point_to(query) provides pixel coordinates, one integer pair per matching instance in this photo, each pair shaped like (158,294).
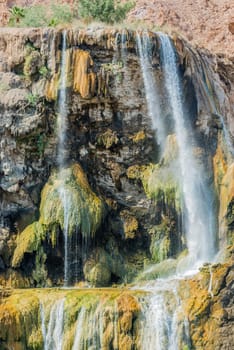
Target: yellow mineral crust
(84,80)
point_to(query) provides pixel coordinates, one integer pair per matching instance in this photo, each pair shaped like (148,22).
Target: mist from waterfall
(198,201)
(151,90)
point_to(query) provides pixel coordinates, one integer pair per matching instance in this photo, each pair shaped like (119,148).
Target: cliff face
(124,211)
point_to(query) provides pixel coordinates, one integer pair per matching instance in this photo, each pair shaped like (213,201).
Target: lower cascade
(116,223)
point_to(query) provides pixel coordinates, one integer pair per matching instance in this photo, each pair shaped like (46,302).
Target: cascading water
(92,329)
(43,325)
(156,329)
(79,330)
(62,105)
(161,327)
(62,130)
(162,330)
(199,220)
(151,91)
(53,336)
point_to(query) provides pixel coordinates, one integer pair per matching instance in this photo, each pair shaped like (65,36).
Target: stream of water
(151,90)
(199,212)
(161,327)
(53,334)
(62,131)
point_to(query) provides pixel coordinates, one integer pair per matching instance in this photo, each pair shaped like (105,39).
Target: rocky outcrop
(209,308)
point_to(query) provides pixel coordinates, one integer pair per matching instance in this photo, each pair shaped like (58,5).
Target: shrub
(60,13)
(35,16)
(16,15)
(108,11)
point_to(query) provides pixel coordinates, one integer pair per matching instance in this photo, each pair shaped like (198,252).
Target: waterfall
(96,327)
(78,345)
(160,323)
(43,325)
(62,105)
(156,326)
(53,336)
(62,130)
(199,221)
(151,91)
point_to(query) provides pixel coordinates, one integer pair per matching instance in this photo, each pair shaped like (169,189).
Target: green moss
(28,241)
(100,265)
(160,246)
(159,183)
(66,194)
(35,340)
(32,62)
(39,274)
(69,194)
(19,321)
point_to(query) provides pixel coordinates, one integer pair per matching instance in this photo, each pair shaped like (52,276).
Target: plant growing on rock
(17,14)
(44,71)
(108,11)
(32,99)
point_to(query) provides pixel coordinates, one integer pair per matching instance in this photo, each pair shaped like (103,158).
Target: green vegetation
(41,143)
(32,99)
(17,14)
(40,15)
(108,11)
(43,70)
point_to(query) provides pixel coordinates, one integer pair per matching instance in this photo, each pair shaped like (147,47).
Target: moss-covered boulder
(100,268)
